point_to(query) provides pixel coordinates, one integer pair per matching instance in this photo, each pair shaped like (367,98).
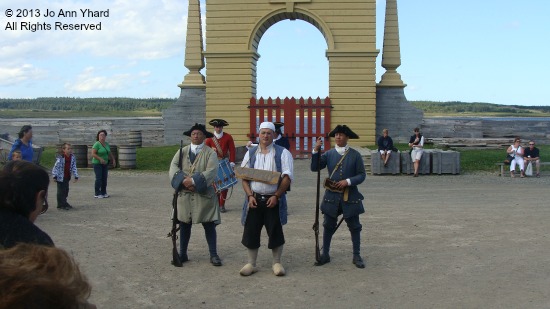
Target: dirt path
(467,241)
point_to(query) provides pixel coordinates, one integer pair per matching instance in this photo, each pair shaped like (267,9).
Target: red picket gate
(304,119)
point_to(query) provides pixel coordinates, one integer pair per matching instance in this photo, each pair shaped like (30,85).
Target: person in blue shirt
(23,144)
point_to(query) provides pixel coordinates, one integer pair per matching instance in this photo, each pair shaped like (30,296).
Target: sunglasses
(531,144)
(45,205)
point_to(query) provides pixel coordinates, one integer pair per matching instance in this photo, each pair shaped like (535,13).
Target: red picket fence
(304,119)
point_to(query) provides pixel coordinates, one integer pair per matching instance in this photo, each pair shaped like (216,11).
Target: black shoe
(323,260)
(222,209)
(63,207)
(67,206)
(358,261)
(215,260)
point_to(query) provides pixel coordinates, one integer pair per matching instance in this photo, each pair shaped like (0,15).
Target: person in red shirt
(224,146)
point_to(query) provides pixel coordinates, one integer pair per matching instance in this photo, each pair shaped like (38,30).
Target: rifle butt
(176,260)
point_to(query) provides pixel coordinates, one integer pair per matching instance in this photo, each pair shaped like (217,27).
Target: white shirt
(267,162)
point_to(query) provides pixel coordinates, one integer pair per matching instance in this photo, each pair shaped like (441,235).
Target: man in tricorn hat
(224,146)
(196,202)
(265,204)
(346,172)
(279,139)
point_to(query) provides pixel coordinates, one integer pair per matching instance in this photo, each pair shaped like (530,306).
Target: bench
(501,164)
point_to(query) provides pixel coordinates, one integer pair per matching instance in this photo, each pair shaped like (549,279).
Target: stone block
(407,165)
(377,165)
(445,162)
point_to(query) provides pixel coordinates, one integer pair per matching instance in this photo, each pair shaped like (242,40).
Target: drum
(226,177)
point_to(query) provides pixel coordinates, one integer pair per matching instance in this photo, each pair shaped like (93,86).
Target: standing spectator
(34,276)
(23,196)
(516,151)
(385,146)
(16,155)
(416,142)
(346,171)
(531,155)
(224,146)
(65,165)
(197,202)
(23,144)
(266,204)
(102,157)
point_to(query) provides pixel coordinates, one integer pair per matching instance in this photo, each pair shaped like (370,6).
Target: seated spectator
(35,276)
(385,146)
(531,155)
(516,151)
(23,196)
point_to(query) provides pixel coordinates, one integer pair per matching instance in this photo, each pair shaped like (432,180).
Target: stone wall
(526,128)
(49,132)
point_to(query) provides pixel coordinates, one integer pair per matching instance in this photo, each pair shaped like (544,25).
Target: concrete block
(445,162)
(377,165)
(407,165)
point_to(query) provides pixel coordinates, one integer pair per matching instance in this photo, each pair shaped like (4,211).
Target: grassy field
(159,158)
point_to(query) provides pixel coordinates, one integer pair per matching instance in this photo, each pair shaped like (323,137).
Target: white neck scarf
(341,150)
(218,136)
(196,148)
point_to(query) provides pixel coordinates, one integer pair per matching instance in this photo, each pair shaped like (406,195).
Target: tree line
(159,104)
(454,107)
(87,104)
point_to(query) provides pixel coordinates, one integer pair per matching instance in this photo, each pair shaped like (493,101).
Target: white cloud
(147,29)
(16,74)
(90,81)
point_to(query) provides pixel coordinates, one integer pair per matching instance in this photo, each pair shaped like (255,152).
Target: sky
(493,51)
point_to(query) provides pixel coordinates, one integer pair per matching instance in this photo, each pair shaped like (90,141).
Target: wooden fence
(304,119)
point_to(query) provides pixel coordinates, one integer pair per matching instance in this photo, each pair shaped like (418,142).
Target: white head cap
(267,125)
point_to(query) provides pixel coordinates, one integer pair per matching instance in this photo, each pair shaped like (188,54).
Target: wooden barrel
(114,150)
(81,154)
(134,138)
(127,156)
(90,155)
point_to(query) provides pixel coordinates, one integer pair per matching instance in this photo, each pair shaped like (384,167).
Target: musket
(176,260)
(316,224)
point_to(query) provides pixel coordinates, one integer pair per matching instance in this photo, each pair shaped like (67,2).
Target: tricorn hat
(343,129)
(278,126)
(199,127)
(218,123)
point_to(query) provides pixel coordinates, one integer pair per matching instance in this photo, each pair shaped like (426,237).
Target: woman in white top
(516,151)
(416,142)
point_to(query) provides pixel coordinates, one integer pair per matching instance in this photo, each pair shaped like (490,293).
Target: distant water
(501,118)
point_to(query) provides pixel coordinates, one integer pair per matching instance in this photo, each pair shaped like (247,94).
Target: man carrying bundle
(265,203)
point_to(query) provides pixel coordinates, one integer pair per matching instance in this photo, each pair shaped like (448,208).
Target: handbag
(529,169)
(509,159)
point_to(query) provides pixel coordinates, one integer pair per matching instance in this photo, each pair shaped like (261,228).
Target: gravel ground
(439,241)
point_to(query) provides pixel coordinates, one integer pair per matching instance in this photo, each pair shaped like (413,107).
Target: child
(16,155)
(65,165)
